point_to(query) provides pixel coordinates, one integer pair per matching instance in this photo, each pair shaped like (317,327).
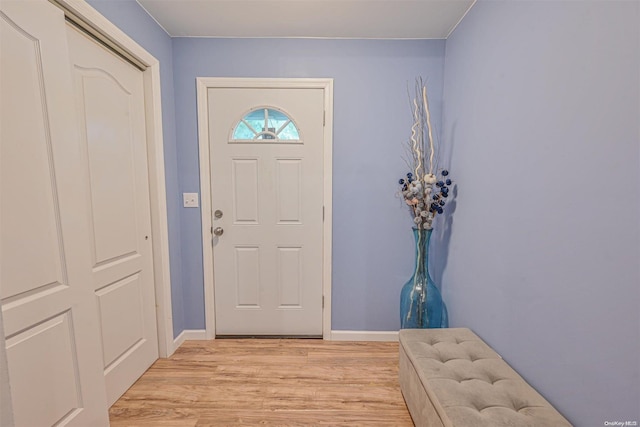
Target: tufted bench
(451,378)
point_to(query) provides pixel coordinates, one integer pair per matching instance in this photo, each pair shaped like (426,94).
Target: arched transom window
(266,124)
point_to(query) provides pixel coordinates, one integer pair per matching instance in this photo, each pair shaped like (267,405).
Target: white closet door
(48,304)
(109,94)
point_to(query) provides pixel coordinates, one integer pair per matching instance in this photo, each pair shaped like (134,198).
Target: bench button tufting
(486,400)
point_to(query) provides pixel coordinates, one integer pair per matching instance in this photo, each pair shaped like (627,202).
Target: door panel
(247,280)
(268,261)
(49,311)
(245,191)
(33,148)
(108,106)
(288,189)
(120,305)
(110,103)
(30,366)
(289,278)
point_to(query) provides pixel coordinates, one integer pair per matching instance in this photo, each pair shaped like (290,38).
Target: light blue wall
(372,240)
(131,18)
(542,109)
(541,254)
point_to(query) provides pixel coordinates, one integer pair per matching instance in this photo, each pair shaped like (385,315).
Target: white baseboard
(364,335)
(189,334)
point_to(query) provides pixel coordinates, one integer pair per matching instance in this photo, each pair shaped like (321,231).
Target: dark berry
(445,172)
(439,184)
(448,182)
(435,196)
(445,194)
(440,210)
(442,202)
(401,181)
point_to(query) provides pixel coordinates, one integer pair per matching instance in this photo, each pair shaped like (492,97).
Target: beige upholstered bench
(451,378)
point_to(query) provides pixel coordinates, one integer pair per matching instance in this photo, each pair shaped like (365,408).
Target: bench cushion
(450,377)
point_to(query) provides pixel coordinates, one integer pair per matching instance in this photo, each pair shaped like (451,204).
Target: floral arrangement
(423,192)
(425,202)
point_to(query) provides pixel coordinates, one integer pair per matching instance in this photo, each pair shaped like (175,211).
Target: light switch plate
(190,200)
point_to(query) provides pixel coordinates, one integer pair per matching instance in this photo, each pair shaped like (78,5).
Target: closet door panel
(109,93)
(48,305)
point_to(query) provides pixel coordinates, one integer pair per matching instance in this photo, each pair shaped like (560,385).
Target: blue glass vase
(421,304)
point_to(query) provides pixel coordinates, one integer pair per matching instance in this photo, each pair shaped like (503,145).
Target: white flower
(417,220)
(424,214)
(430,178)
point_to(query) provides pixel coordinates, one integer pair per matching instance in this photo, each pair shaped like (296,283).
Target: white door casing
(272,263)
(48,304)
(109,94)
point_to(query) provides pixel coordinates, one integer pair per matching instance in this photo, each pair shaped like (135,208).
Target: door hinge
(212,229)
(322,301)
(323,214)
(324,118)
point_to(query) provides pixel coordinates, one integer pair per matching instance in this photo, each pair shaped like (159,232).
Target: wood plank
(284,382)
(307,418)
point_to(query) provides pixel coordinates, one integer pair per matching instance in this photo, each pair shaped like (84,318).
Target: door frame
(203,84)
(82,14)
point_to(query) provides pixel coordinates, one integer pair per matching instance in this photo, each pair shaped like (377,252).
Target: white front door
(266,148)
(110,104)
(48,303)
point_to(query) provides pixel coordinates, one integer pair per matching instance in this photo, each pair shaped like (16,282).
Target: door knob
(217,214)
(218,231)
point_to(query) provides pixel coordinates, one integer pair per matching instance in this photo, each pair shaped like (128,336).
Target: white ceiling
(376,19)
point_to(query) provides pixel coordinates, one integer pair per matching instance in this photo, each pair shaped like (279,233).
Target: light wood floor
(283,382)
